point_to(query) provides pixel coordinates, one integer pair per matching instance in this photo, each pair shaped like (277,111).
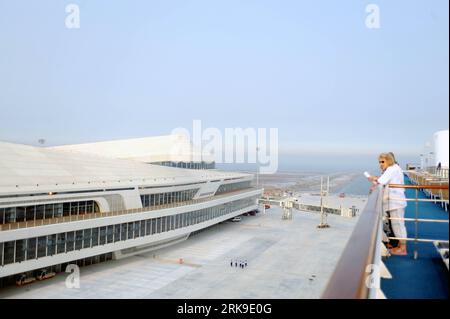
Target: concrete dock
(286,259)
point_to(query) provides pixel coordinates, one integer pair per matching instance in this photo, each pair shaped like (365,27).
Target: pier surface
(285,258)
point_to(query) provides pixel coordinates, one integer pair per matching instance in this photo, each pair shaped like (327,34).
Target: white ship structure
(88,203)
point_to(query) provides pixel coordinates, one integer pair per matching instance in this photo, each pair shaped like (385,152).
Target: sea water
(358,186)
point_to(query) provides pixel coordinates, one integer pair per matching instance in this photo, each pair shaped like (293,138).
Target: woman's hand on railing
(372,178)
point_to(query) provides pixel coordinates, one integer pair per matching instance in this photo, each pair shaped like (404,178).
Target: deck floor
(427,276)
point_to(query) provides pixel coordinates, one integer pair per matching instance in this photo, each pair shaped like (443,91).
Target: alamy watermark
(373,277)
(373,17)
(73,280)
(235,145)
(72,20)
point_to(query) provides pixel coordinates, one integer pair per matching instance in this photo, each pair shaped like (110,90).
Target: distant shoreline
(300,182)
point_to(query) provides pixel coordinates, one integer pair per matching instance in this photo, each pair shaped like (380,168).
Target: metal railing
(416,218)
(73,218)
(357,274)
(439,172)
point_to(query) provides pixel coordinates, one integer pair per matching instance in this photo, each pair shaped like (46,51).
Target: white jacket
(393,175)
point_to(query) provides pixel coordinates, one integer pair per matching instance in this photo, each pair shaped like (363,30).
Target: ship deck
(286,259)
(427,276)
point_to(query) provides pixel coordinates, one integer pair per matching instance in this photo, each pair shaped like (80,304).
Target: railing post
(416,225)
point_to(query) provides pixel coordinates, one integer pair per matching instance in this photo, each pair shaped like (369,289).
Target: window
(95,233)
(143,201)
(159,223)
(152,200)
(172,222)
(89,207)
(20,214)
(66,209)
(9,252)
(31,248)
(110,234)
(1,252)
(163,224)
(70,241)
(48,211)
(51,245)
(2,219)
(58,210)
(123,231)
(39,211)
(21,248)
(188,219)
(87,235)
(102,235)
(130,231)
(78,239)
(82,208)
(10,215)
(148,227)
(116,233)
(142,228)
(74,208)
(136,228)
(154,226)
(42,246)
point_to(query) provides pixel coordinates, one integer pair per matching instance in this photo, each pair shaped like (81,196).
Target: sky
(338,92)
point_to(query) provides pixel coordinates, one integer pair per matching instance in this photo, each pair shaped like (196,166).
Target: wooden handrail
(418,186)
(349,277)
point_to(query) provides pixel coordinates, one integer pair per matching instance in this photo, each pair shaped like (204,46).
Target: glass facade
(47,211)
(233,187)
(167,198)
(190,165)
(32,248)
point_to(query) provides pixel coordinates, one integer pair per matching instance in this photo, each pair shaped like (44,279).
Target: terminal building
(173,150)
(90,203)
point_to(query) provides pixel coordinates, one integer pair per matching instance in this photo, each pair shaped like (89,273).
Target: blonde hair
(393,156)
(388,158)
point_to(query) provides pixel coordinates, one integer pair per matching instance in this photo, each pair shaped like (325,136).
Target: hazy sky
(312,69)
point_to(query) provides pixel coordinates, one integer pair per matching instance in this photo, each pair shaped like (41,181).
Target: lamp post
(323,214)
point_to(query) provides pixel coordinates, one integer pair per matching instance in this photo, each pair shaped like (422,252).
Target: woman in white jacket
(393,174)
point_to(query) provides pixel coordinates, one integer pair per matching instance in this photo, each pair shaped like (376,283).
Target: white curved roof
(175,147)
(28,168)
